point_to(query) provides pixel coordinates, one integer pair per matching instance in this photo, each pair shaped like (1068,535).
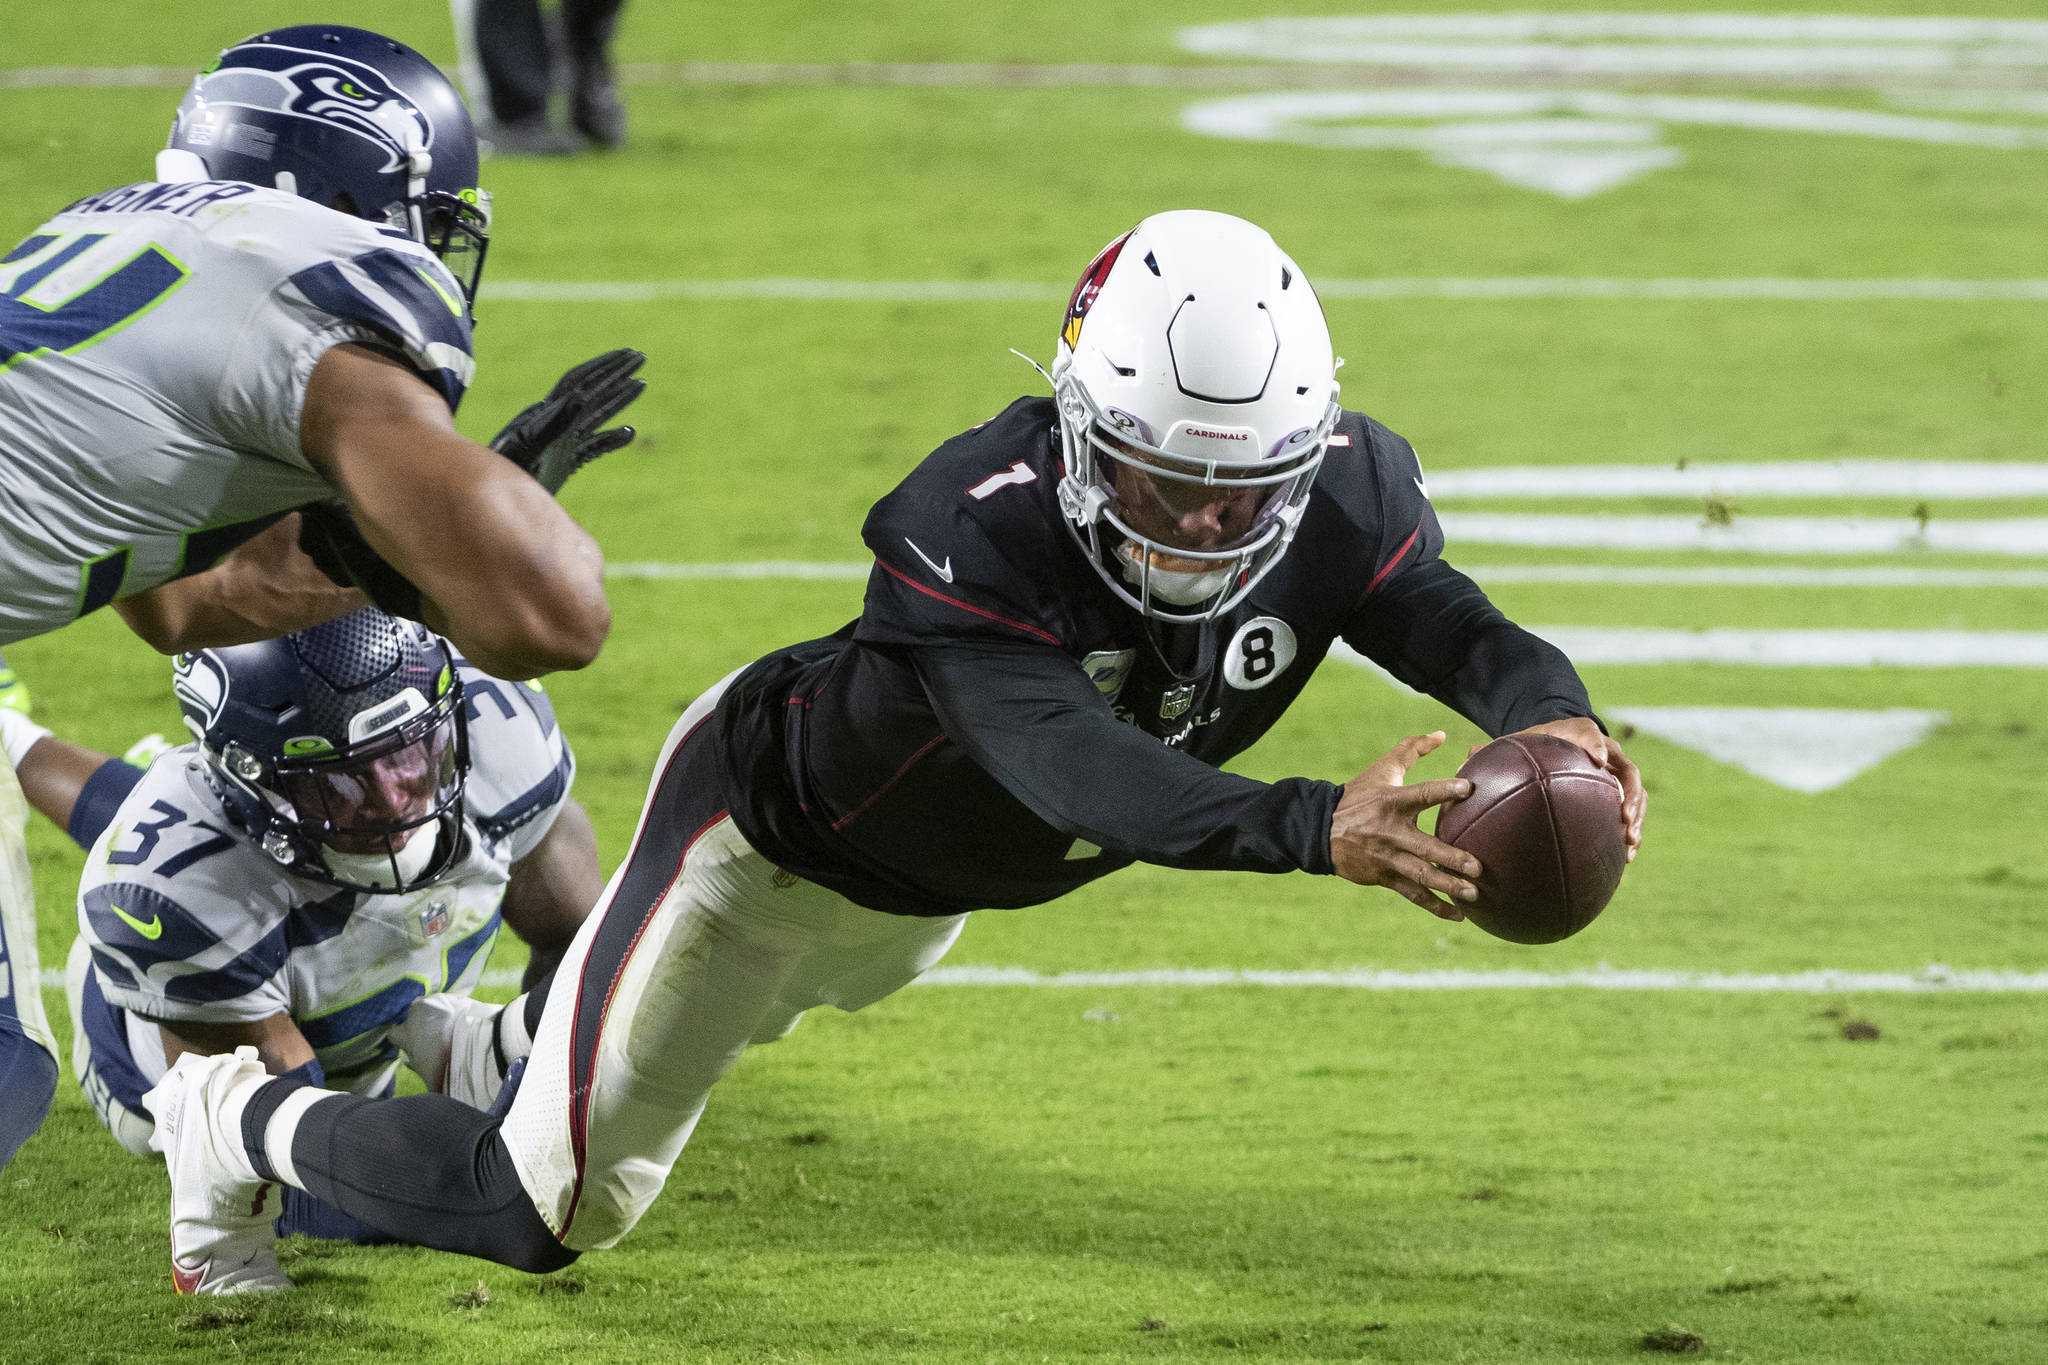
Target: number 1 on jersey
(1016,473)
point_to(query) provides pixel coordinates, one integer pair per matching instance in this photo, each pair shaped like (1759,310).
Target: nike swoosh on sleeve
(152,930)
(944,571)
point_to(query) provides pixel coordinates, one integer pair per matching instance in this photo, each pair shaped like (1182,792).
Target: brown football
(1544,821)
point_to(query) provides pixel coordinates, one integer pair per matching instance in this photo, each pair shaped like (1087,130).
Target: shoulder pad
(521,767)
(408,300)
(970,542)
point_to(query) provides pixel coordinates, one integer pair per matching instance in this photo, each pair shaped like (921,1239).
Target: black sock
(427,1169)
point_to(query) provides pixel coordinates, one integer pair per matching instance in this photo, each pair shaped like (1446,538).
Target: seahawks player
(279,320)
(360,814)
(1078,610)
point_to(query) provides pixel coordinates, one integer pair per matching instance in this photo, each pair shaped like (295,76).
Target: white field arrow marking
(1571,143)
(1567,172)
(1804,749)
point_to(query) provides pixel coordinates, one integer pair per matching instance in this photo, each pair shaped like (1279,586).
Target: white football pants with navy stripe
(28,1052)
(699,948)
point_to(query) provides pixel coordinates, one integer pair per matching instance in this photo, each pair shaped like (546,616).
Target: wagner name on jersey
(186,920)
(155,343)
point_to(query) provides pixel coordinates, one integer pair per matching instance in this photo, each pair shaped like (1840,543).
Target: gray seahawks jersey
(155,343)
(188,920)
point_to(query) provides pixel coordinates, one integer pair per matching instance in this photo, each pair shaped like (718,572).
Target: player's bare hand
(1607,753)
(1375,841)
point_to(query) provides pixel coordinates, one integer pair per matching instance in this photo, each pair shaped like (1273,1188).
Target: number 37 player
(1078,610)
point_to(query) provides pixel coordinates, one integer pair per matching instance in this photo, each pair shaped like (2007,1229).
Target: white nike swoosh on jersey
(1422,488)
(944,571)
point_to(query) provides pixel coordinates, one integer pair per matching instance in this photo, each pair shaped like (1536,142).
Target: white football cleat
(223,1238)
(452,1042)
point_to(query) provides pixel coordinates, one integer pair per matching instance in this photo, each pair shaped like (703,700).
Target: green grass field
(1166,1172)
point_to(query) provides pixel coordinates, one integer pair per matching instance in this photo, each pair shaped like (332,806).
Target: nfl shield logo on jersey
(1176,700)
(436,916)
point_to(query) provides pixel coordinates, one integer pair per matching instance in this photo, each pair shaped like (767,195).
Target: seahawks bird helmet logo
(329,90)
(201,687)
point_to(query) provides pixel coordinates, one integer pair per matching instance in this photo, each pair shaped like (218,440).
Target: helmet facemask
(334,790)
(456,228)
(387,815)
(1125,498)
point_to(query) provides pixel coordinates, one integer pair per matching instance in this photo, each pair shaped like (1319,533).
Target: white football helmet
(1196,392)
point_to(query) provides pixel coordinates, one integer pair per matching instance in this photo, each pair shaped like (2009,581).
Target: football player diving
(279,321)
(1078,610)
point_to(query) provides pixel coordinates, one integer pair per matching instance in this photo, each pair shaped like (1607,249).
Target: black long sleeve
(1434,629)
(1035,722)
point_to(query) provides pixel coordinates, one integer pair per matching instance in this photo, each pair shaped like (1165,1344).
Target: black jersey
(997,728)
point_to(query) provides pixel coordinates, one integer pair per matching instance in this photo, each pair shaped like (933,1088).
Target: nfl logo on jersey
(436,916)
(1176,701)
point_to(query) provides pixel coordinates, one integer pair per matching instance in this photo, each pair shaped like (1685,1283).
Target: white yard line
(1761,288)
(1938,479)
(1929,980)
(763,569)
(2016,537)
(1788,47)
(773,287)
(1474,288)
(1619,576)
(1650,645)
(1371,69)
(1626,645)
(1605,575)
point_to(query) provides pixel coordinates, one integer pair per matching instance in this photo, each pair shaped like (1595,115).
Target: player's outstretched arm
(277,1040)
(552,889)
(1375,841)
(1038,725)
(52,774)
(268,587)
(506,574)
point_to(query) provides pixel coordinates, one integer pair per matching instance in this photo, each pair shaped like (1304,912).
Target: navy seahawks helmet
(349,119)
(340,750)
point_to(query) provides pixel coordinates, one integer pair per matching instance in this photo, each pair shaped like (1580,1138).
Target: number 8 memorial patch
(1260,652)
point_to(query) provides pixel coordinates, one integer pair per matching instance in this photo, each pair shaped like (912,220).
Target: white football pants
(699,948)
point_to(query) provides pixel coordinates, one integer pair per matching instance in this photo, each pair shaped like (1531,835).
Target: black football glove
(328,535)
(559,435)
